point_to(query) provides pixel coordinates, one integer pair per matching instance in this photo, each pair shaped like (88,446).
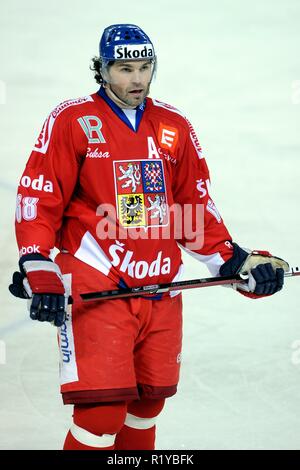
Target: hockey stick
(167,287)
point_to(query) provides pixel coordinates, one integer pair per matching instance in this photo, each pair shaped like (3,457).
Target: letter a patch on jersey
(140,193)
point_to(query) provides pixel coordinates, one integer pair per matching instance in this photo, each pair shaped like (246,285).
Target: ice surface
(233,68)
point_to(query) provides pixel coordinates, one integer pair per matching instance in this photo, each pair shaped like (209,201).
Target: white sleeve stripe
(88,439)
(91,253)
(139,423)
(213,261)
(31,266)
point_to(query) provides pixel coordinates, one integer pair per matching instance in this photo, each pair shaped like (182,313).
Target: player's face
(130,81)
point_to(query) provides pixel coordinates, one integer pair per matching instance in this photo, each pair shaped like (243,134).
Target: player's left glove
(265,272)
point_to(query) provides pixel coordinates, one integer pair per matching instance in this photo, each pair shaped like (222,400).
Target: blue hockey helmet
(125,42)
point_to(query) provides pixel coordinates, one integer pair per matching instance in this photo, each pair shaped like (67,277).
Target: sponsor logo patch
(168,137)
(95,153)
(39,183)
(137,51)
(138,269)
(211,207)
(195,140)
(29,249)
(140,193)
(91,125)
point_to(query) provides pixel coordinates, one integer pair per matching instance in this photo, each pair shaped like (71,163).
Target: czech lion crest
(141,193)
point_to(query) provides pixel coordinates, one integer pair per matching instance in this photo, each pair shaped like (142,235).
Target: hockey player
(100,185)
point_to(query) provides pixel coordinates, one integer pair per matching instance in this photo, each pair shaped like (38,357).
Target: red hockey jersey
(120,199)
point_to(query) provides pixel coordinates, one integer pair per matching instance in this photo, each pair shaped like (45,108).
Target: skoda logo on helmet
(134,51)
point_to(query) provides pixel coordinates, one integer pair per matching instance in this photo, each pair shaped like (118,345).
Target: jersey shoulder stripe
(168,107)
(43,140)
(188,125)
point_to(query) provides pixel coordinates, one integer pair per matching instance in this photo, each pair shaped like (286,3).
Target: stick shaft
(171,286)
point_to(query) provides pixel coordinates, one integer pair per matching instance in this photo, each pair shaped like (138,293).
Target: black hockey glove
(40,280)
(264,272)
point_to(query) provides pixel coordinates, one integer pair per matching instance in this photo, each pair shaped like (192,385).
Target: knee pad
(100,418)
(141,414)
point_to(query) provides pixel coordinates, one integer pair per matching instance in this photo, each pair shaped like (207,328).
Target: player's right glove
(40,280)
(264,273)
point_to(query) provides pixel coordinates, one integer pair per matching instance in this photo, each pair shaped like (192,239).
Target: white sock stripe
(88,439)
(139,423)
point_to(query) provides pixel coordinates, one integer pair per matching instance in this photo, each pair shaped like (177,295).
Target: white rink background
(233,68)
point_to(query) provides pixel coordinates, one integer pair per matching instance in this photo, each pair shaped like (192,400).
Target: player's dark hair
(96,68)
